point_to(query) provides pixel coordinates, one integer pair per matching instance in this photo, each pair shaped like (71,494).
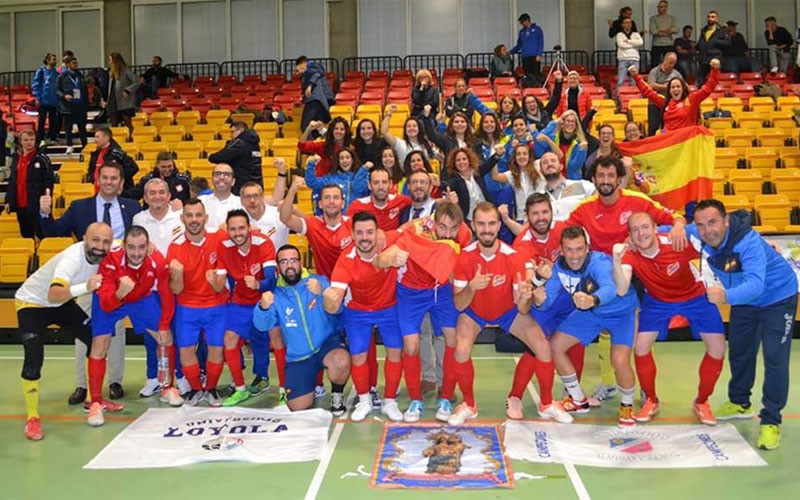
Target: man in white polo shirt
(565,194)
(222,200)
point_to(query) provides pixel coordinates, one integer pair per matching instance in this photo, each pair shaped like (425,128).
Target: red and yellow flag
(678,166)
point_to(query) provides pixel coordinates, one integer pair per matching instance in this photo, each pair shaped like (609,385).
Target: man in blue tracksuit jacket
(311,335)
(530,44)
(761,289)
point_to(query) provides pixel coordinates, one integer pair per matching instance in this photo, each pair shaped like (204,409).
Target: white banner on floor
(641,447)
(174,437)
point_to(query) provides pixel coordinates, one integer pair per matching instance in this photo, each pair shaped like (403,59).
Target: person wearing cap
(735,56)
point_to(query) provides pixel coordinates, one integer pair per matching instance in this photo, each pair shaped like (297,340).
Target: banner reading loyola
(173,437)
(678,166)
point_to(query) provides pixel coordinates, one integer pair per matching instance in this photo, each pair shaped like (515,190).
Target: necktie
(416,212)
(107,213)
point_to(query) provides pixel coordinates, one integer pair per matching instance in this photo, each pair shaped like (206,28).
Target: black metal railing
(330,64)
(438,62)
(367,64)
(196,69)
(255,67)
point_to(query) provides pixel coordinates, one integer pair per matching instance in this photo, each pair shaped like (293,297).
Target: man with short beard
(420,186)
(384,206)
(565,194)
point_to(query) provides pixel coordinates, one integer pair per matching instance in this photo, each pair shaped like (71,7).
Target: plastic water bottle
(164,375)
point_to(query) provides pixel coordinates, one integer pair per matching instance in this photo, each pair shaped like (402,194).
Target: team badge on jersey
(345,242)
(624,216)
(254,269)
(393,213)
(498,280)
(673,268)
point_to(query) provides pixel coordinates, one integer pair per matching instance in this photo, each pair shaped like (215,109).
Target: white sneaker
(604,392)
(375,399)
(463,413)
(556,412)
(362,409)
(773,69)
(151,388)
(391,410)
(96,418)
(70,150)
(183,386)
(444,408)
(171,396)
(414,412)
(319,392)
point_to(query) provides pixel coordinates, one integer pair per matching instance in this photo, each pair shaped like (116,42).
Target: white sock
(573,387)
(626,395)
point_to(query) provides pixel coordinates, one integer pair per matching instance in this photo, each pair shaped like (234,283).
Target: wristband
(282,175)
(538,280)
(81,289)
(596,300)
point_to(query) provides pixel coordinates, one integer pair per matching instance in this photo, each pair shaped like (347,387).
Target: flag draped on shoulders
(436,257)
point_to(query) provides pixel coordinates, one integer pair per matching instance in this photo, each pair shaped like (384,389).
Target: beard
(94,256)
(552,176)
(291,277)
(606,189)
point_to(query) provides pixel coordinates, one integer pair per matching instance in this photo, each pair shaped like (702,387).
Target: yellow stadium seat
(761,104)
(725,158)
(144,134)
(763,229)
(9,227)
(148,151)
(140,120)
(161,119)
(732,104)
(790,157)
(343,110)
(266,129)
(746,182)
(201,167)
(248,118)
(773,209)
(204,132)
(188,150)
(121,134)
(773,137)
(762,159)
(786,181)
(719,182)
(15,259)
(787,102)
(720,123)
(735,202)
(77,189)
(217,116)
(49,247)
(87,150)
(71,176)
(738,138)
(188,119)
(750,120)
(707,105)
(212,147)
(172,133)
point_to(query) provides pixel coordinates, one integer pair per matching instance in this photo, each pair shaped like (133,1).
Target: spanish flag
(678,166)
(437,257)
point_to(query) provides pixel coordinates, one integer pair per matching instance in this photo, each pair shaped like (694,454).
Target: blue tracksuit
(43,86)
(576,156)
(761,287)
(530,41)
(354,185)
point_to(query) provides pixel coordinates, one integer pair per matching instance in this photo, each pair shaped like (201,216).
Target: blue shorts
(239,320)
(549,319)
(301,376)
(586,326)
(504,322)
(413,304)
(189,321)
(703,316)
(359,325)
(144,314)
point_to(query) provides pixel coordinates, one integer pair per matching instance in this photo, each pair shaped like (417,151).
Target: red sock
(192,374)
(576,354)
(97,372)
(234,360)
(448,373)
(465,374)
(646,371)
(392,373)
(372,363)
(319,376)
(171,353)
(412,370)
(710,368)
(360,375)
(522,375)
(213,371)
(545,372)
(280,362)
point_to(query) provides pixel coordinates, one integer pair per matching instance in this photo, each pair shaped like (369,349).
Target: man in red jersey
(129,274)
(249,262)
(492,288)
(197,279)
(671,287)
(420,293)
(384,206)
(370,302)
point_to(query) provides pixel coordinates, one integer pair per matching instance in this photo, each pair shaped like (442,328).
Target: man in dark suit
(420,186)
(118,213)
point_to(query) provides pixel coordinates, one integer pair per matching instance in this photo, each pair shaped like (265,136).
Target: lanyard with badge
(76,90)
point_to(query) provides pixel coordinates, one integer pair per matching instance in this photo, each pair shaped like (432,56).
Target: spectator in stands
(317,93)
(122,87)
(615,25)
(346,172)
(633,132)
(31,175)
(508,109)
(388,161)
(606,147)
(712,40)
(530,45)
(108,150)
(536,113)
(779,45)
(681,108)
(43,89)
(686,48)
(157,77)
(64,64)
(502,64)
(523,177)
(414,138)
(735,57)
(657,79)
(243,153)
(424,94)
(628,44)
(71,92)
(222,200)
(199,187)
(463,100)
(337,136)
(94,101)
(464,178)
(662,27)
(576,99)
(458,133)
(417,162)
(568,137)
(489,142)
(177,182)
(368,143)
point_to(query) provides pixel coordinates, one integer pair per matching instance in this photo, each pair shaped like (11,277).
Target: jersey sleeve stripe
(339,285)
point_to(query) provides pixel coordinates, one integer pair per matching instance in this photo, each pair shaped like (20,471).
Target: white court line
(572,472)
(72,358)
(322,468)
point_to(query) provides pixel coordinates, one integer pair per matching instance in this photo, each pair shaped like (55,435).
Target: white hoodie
(628,48)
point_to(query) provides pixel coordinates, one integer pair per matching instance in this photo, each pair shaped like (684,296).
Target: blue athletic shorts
(301,376)
(504,322)
(144,314)
(703,316)
(359,325)
(239,320)
(586,326)
(549,319)
(412,305)
(189,321)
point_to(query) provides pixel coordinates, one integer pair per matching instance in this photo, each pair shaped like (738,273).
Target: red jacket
(679,114)
(584,103)
(318,148)
(154,268)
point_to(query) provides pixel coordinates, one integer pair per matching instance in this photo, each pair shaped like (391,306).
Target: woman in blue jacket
(43,89)
(344,172)
(72,101)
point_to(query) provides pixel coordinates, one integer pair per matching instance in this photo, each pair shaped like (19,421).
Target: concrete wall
(117,28)
(343,28)
(579,25)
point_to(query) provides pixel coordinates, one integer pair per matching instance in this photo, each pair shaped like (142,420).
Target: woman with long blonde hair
(569,138)
(122,88)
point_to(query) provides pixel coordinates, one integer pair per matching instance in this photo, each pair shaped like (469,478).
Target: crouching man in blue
(310,334)
(587,277)
(761,288)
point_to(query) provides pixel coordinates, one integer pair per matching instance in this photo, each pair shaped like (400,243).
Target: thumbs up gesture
(46,202)
(480,280)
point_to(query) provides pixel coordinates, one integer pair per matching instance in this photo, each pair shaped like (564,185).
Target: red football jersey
(608,224)
(412,274)
(497,298)
(368,288)
(388,216)
(327,242)
(532,248)
(153,269)
(667,276)
(237,265)
(197,258)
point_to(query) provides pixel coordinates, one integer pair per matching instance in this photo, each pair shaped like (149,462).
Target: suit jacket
(405,214)
(81,213)
(459,185)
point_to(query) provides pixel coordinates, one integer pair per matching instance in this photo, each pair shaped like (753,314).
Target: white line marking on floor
(72,358)
(322,468)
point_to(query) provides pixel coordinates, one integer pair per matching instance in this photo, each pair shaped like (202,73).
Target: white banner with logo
(641,447)
(174,437)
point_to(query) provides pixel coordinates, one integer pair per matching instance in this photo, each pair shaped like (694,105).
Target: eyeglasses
(419,182)
(253,196)
(222,174)
(291,260)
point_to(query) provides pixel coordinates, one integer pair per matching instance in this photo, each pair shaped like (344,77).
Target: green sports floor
(52,468)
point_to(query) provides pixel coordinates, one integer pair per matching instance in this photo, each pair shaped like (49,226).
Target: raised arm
(286,209)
